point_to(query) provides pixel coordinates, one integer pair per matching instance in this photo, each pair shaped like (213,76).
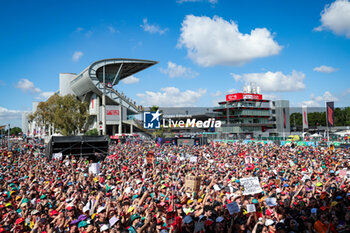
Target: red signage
(239,96)
(113,112)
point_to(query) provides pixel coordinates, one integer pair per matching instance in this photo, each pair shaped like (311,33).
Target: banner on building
(305,120)
(330,114)
(284,118)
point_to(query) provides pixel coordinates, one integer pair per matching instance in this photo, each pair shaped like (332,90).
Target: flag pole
(327,123)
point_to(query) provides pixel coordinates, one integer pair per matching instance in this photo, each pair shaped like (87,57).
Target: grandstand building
(248,115)
(111,112)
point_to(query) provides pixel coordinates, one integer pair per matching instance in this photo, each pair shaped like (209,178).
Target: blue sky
(296,50)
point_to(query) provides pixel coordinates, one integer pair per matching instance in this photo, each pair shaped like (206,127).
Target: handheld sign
(94,168)
(150,157)
(57,156)
(192,183)
(193,159)
(251,185)
(271,201)
(251,208)
(233,208)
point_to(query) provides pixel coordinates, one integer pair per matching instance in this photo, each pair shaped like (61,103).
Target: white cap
(269,222)
(100,209)
(104,227)
(86,208)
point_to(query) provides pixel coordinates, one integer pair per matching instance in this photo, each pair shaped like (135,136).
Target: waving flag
(305,120)
(330,113)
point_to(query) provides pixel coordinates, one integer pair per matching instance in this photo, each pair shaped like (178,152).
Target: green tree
(296,119)
(154,108)
(15,131)
(71,115)
(92,132)
(64,114)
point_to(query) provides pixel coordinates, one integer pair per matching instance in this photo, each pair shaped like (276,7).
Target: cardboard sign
(233,208)
(251,185)
(271,201)
(94,168)
(193,159)
(192,183)
(251,208)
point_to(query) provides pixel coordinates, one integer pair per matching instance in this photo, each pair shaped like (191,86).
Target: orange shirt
(320,227)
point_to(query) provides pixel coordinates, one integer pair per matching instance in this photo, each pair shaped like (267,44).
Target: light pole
(104,102)
(8,138)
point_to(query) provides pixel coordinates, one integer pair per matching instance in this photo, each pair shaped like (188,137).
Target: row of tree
(62,114)
(341,118)
(13,131)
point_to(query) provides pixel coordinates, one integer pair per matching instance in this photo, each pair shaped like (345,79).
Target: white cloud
(210,1)
(152,28)
(6,114)
(271,97)
(346,92)
(130,80)
(317,101)
(2,83)
(216,41)
(231,91)
(77,55)
(171,97)
(111,29)
(27,86)
(274,81)
(44,95)
(80,29)
(174,70)
(325,69)
(336,17)
(216,94)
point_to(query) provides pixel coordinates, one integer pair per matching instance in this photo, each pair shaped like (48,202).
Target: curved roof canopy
(117,69)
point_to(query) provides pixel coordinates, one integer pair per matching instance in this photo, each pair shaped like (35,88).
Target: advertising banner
(239,96)
(330,114)
(305,121)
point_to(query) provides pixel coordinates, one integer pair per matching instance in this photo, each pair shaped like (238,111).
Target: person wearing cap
(82,226)
(220,225)
(187,224)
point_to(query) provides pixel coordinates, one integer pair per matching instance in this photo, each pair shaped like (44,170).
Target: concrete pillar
(98,119)
(131,128)
(114,129)
(120,129)
(104,102)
